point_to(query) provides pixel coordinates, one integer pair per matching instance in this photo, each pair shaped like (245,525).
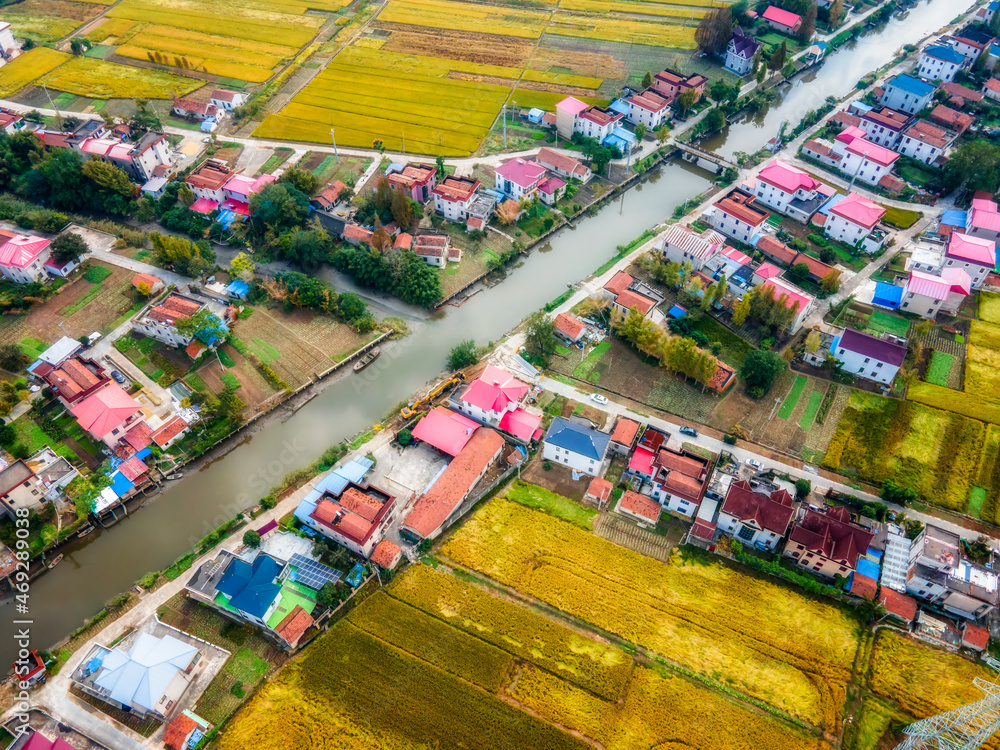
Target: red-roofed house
(618,284)
(563,165)
(991,89)
(569,327)
(599,491)
(827,543)
(227,100)
(179,731)
(432,249)
(519,178)
(356,518)
(208,180)
(672,84)
(640,507)
(679,480)
(926,142)
(551,189)
(386,554)
(626,293)
(755,518)
(454,196)
(649,108)
(926,294)
(782,20)
(194,110)
(170,433)
(417,180)
(23,258)
(623,436)
(159,320)
(630,300)
(780,186)
(776,250)
(737,216)
(983,220)
(853,220)
(951,119)
(597,122)
(974,255)
(293,626)
(864,587)
(439,503)
(975,637)
(357,235)
(494,398)
(107,414)
(898,606)
(328,198)
(155,285)
(75,379)
(446,430)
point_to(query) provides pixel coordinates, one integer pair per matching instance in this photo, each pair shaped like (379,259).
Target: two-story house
(970,44)
(108,414)
(649,107)
(928,294)
(853,220)
(740,52)
(159,320)
(227,100)
(925,142)
(677,478)
(789,190)
(568,113)
(974,255)
(416,180)
(683,245)
(884,126)
(868,356)
(74,379)
(907,93)
(355,518)
(20,489)
(519,179)
(867,161)
(801,303)
(755,518)
(827,543)
(209,179)
(983,220)
(939,62)
(454,196)
(737,216)
(563,165)
(577,446)
(23,258)
(672,84)
(597,122)
(496,398)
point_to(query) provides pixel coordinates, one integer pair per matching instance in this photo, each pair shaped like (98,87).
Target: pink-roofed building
(974,255)
(240,187)
(853,220)
(983,220)
(764,272)
(551,189)
(446,430)
(492,398)
(868,161)
(519,178)
(567,113)
(204,206)
(108,414)
(23,258)
(927,295)
(782,20)
(802,302)
(787,189)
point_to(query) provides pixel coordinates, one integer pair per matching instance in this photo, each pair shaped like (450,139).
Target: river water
(108,562)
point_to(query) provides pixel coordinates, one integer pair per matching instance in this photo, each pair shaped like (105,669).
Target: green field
(806,420)
(939,368)
(792,399)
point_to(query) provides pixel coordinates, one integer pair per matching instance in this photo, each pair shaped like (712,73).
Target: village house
(907,93)
(623,436)
(227,100)
(782,20)
(649,108)
(677,478)
(73,379)
(357,235)
(170,432)
(974,255)
(740,52)
(639,507)
(672,84)
(959,96)
(577,446)
(598,492)
(983,220)
(597,122)
(496,398)
(551,189)
(776,250)
(991,89)
(627,293)
(329,197)
(209,179)
(239,189)
(737,216)
(563,165)
(853,221)
(159,320)
(827,543)
(884,126)
(143,160)
(185,732)
(152,283)
(194,110)
(985,13)
(682,245)
(951,119)
(867,161)
(789,190)
(23,258)
(10,121)
(755,518)
(898,607)
(20,489)
(108,414)
(435,250)
(970,44)
(567,115)
(569,328)
(146,680)
(925,142)
(453,197)
(386,555)
(518,178)
(416,180)
(927,295)
(939,62)
(975,637)
(355,518)
(440,503)
(445,430)
(868,356)
(9,48)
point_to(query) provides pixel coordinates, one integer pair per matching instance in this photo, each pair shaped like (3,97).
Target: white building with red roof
(626,293)
(416,180)
(239,189)
(754,518)
(599,491)
(649,107)
(159,319)
(597,122)
(355,518)
(23,258)
(569,327)
(640,507)
(827,543)
(677,479)
(567,113)
(170,432)
(681,244)
(495,398)
(787,189)
(782,20)
(563,165)
(977,256)
(867,161)
(926,142)
(454,196)
(194,109)
(518,178)
(853,221)
(798,300)
(983,220)
(975,637)
(225,99)
(927,295)
(738,216)
(623,436)
(884,126)
(107,414)
(386,554)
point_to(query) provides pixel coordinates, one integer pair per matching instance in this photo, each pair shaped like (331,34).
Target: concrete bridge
(704,159)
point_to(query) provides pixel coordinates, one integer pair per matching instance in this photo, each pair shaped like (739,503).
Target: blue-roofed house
(577,446)
(238,289)
(907,93)
(251,589)
(624,140)
(887,295)
(940,62)
(953,219)
(815,53)
(992,54)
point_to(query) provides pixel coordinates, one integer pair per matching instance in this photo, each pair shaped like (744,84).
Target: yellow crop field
(241,47)
(756,637)
(110,27)
(607,28)
(40,28)
(29,67)
(87,76)
(989,307)
(445,14)
(424,66)
(630,6)
(240,71)
(562,79)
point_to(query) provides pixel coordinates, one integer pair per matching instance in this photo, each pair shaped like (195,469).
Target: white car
(598,398)
(754,464)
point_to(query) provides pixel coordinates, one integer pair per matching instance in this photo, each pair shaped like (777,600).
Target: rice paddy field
(49,20)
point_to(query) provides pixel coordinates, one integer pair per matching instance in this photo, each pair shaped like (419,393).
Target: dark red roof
(900,605)
(703,530)
(830,535)
(864,586)
(178,731)
(871,346)
(772,513)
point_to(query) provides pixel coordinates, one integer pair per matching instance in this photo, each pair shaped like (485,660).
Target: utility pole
(333,137)
(505,124)
(51,103)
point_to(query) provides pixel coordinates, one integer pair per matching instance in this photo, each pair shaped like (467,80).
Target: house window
(879,364)
(746,533)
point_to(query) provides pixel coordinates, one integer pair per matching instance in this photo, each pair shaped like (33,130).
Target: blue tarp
(238,288)
(334,483)
(619,106)
(953,218)
(208,125)
(887,295)
(867,568)
(356,576)
(119,484)
(677,312)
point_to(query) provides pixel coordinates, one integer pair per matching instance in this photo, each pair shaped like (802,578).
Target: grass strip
(788,406)
(815,399)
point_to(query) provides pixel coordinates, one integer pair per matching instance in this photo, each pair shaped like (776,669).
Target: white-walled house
(597,122)
(801,302)
(753,518)
(490,396)
(740,52)
(779,185)
(907,93)
(926,295)
(867,161)
(579,447)
(868,356)
(159,320)
(853,221)
(939,62)
(567,114)
(649,108)
(682,245)
(227,100)
(884,126)
(23,258)
(454,195)
(925,142)
(974,255)
(970,44)
(737,216)
(518,178)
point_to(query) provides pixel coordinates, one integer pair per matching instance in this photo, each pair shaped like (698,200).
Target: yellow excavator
(408,411)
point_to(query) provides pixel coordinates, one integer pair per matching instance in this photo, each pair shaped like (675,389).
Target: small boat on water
(84,532)
(367,359)
(55,561)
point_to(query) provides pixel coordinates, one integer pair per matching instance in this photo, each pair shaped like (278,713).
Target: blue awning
(120,485)
(619,106)
(677,312)
(953,218)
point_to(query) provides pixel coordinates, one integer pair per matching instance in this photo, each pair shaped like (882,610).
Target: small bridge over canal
(704,159)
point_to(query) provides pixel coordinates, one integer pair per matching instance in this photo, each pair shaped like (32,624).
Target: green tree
(113,191)
(777,61)
(12,358)
(383,194)
(204,325)
(640,131)
(303,180)
(251,538)
(799,272)
(306,248)
(721,287)
(831,281)
(243,266)
(330,595)
(540,334)
(715,119)
(278,207)
(835,14)
(463,354)
(802,489)
(808,27)
(760,369)
(439,164)
(715,30)
(402,209)
(741,311)
(405,437)
(974,165)
(67,247)
(686,100)
(185,194)
(647,80)
(416,283)
(761,74)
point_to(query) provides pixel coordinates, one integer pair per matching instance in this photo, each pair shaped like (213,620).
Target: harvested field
(86,76)
(607,28)
(577,61)
(75,11)
(254,388)
(110,28)
(676,13)
(28,67)
(459,45)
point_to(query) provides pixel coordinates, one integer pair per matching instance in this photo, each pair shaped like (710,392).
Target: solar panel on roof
(311,573)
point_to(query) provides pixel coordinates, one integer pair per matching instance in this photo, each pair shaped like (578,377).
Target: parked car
(118,377)
(598,398)
(689,431)
(754,464)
